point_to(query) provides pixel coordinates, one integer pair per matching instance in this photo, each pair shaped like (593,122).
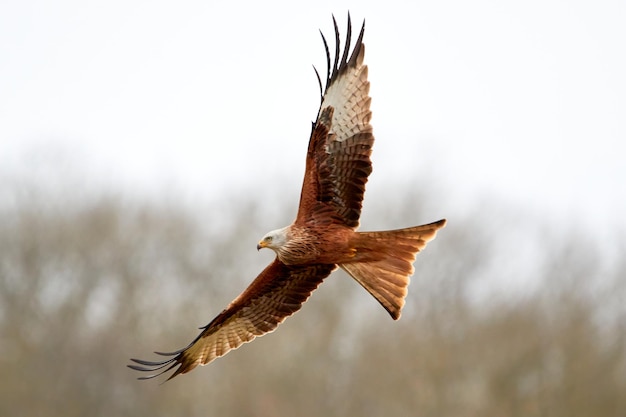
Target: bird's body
(297,245)
(324,234)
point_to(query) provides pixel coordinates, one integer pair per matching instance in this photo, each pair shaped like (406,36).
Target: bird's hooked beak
(260,245)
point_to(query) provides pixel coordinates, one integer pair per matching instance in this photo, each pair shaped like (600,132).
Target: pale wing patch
(221,342)
(348,95)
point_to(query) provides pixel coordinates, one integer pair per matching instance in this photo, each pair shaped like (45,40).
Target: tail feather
(384,262)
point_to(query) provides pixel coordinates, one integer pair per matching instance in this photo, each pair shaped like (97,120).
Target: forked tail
(384,262)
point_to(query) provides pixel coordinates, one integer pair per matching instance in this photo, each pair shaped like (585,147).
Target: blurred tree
(87,283)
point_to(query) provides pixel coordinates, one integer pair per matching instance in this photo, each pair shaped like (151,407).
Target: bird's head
(273,240)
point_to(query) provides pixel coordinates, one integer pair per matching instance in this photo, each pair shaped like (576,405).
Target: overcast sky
(524,100)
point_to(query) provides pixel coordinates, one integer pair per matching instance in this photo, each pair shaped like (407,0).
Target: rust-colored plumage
(324,234)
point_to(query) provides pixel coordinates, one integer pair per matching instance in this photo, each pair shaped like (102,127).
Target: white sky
(525,100)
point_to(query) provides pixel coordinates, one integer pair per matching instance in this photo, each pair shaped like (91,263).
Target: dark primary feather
(333,72)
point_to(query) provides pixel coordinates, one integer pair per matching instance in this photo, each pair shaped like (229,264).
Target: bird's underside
(324,234)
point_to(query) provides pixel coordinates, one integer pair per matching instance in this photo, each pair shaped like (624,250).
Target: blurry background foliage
(508,313)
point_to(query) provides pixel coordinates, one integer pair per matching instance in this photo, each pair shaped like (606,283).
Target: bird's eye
(268,238)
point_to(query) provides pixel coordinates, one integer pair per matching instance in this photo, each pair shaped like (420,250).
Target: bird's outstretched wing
(278,292)
(338,158)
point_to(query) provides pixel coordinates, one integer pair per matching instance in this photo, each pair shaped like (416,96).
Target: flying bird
(324,234)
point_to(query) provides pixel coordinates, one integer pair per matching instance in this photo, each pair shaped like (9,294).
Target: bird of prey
(324,234)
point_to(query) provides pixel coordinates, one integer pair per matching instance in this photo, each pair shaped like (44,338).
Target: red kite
(324,234)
